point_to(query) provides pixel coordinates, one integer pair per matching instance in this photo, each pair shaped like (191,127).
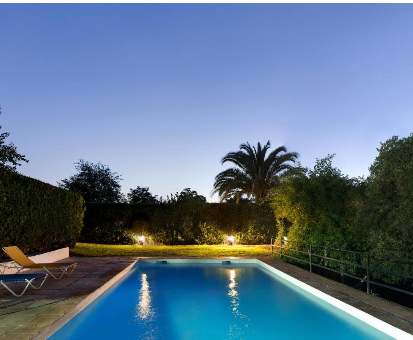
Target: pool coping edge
(371,320)
(48,331)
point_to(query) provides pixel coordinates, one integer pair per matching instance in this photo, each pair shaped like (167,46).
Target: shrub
(319,207)
(386,213)
(186,223)
(387,210)
(37,216)
(107,223)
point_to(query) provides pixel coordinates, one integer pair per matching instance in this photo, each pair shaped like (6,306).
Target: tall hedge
(208,223)
(37,216)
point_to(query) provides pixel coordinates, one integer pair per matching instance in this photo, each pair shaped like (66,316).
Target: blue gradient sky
(161,92)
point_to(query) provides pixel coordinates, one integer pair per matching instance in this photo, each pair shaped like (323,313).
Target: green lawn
(89,249)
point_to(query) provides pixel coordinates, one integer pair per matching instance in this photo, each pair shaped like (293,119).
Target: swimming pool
(216,299)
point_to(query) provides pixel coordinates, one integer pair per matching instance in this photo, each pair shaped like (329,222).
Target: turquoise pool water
(210,301)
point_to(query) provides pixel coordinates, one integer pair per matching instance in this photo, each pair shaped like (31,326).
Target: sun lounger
(25,263)
(6,279)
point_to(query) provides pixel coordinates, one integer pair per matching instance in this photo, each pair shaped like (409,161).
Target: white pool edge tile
(380,325)
(65,318)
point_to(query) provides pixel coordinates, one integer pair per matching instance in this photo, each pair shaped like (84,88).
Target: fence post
(354,261)
(281,247)
(310,256)
(272,247)
(368,273)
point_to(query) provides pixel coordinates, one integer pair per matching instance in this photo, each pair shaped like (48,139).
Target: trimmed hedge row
(37,216)
(208,223)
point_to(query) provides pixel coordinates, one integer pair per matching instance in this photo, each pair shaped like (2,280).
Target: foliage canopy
(387,210)
(141,195)
(9,157)
(95,182)
(254,174)
(319,206)
(186,196)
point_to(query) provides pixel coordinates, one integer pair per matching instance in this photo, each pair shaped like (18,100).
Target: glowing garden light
(141,239)
(230,239)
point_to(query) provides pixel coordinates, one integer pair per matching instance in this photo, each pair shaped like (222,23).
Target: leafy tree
(141,195)
(9,157)
(180,226)
(319,207)
(387,211)
(241,200)
(95,182)
(255,174)
(186,196)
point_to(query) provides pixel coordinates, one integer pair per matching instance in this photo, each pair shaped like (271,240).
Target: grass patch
(90,249)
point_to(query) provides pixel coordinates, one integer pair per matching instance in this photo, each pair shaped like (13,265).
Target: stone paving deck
(392,313)
(25,317)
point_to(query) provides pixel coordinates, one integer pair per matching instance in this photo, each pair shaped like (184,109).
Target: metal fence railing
(363,266)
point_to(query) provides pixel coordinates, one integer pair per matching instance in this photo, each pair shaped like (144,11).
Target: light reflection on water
(240,326)
(232,291)
(144,307)
(145,313)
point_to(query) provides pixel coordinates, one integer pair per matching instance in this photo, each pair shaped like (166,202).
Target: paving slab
(25,317)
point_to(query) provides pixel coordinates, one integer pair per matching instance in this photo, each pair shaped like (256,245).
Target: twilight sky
(161,93)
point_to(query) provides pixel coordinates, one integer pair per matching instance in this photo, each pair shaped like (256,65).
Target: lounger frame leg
(65,270)
(13,266)
(29,283)
(19,269)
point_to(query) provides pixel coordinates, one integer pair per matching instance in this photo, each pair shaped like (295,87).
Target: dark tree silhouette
(95,182)
(186,196)
(9,157)
(141,195)
(254,175)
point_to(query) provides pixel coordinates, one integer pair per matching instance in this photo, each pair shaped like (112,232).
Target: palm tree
(254,175)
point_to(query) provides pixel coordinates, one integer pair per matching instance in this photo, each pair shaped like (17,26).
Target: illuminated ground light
(141,239)
(231,239)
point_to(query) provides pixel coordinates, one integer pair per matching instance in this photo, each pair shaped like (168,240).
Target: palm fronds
(254,174)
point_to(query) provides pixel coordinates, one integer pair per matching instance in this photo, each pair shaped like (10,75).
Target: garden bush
(320,207)
(37,216)
(186,223)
